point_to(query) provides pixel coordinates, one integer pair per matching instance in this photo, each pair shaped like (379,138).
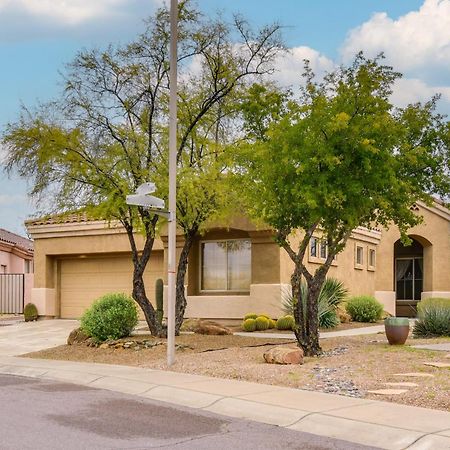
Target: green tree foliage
(108,133)
(342,157)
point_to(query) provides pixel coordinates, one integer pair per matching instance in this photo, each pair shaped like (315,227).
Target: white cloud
(417,43)
(412,90)
(29,19)
(68,11)
(289,67)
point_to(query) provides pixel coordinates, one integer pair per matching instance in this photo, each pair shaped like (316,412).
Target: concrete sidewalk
(323,334)
(374,423)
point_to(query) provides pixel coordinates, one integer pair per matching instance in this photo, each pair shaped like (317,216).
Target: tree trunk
(139,264)
(181,275)
(306,313)
(140,296)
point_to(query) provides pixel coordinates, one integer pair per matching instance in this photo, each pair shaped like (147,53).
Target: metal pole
(172,183)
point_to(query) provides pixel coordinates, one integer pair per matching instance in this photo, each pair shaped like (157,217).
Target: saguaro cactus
(159,290)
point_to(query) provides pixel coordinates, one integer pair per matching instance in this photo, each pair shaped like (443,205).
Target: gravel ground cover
(350,365)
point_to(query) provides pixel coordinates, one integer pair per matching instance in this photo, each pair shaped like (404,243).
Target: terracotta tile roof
(16,240)
(61,218)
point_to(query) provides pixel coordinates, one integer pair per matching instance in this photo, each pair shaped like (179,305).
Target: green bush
(262,323)
(272,324)
(332,294)
(30,312)
(249,325)
(112,316)
(286,323)
(433,318)
(250,316)
(364,309)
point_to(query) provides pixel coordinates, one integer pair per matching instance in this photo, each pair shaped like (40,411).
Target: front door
(409,283)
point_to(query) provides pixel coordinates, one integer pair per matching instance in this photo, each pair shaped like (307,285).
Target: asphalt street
(38,414)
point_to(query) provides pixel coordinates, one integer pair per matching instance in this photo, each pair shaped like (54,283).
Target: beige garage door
(83,280)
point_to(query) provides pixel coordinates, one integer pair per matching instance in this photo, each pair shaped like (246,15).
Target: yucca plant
(332,294)
(433,318)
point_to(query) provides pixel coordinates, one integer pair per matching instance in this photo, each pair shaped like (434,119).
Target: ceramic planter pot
(397,330)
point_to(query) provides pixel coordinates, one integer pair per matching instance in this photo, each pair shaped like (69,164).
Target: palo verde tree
(107,133)
(341,157)
(209,99)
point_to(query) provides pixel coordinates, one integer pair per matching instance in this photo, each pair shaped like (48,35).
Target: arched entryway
(409,273)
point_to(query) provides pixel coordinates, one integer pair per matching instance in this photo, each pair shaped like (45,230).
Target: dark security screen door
(409,278)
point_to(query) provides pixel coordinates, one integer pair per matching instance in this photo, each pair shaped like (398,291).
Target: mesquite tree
(107,133)
(340,157)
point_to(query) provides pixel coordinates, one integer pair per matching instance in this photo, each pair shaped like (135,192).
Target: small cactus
(249,325)
(262,323)
(272,324)
(286,323)
(159,291)
(30,312)
(250,316)
(264,315)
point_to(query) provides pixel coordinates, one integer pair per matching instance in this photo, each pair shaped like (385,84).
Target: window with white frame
(313,244)
(323,249)
(225,265)
(371,258)
(359,255)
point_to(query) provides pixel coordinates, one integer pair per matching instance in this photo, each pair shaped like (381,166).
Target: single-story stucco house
(237,269)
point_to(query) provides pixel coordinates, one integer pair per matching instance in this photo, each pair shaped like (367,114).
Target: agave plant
(331,295)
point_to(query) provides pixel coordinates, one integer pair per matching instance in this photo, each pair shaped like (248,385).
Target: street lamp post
(172,183)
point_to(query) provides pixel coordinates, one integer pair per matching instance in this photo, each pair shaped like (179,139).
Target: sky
(38,37)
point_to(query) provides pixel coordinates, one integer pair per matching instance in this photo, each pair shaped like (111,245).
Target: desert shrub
(250,316)
(332,294)
(286,323)
(249,325)
(433,318)
(272,324)
(112,316)
(30,312)
(364,308)
(262,323)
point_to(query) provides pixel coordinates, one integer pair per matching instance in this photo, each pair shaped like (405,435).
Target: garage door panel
(84,280)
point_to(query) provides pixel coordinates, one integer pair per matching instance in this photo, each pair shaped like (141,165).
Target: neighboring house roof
(16,241)
(61,218)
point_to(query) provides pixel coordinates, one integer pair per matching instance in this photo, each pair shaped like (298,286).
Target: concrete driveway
(25,337)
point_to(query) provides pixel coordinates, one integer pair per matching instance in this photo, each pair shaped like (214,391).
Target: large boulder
(77,336)
(211,328)
(283,355)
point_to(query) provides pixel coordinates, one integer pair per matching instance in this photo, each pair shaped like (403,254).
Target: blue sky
(37,37)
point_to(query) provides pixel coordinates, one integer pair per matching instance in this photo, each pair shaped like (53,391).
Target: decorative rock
(282,355)
(402,384)
(211,328)
(77,336)
(389,391)
(441,365)
(414,374)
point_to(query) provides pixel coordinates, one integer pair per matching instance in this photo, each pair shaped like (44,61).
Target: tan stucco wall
(357,280)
